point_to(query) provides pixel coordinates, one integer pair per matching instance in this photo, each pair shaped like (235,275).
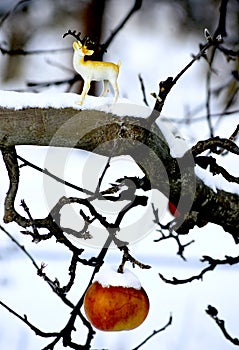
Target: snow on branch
(87,129)
(22,100)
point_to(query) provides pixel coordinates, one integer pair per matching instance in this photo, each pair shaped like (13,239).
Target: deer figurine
(93,70)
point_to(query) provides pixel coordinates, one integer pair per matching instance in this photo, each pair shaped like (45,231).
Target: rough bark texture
(99,132)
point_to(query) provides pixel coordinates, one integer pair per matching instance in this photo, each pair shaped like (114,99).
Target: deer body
(94,71)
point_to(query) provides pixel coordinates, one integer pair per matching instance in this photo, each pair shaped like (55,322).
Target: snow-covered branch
(98,129)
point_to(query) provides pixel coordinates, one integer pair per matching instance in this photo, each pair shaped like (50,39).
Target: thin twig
(72,273)
(155,332)
(27,210)
(213,263)
(53,284)
(170,234)
(212,311)
(21,52)
(166,86)
(128,257)
(25,320)
(234,134)
(9,13)
(23,249)
(220,32)
(137,5)
(58,179)
(143,90)
(198,119)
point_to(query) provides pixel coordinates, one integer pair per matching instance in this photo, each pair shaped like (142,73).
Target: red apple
(173,210)
(115,308)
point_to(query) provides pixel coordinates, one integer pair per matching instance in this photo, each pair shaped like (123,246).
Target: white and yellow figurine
(93,70)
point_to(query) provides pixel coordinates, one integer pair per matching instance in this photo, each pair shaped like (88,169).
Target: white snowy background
(28,294)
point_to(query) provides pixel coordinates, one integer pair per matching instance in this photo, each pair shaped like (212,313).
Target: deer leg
(116,90)
(85,90)
(106,88)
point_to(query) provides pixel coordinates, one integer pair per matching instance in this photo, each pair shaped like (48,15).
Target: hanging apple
(116,301)
(173,210)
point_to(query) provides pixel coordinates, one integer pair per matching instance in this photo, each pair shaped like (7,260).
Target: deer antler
(85,41)
(73,33)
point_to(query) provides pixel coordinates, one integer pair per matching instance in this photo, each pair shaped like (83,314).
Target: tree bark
(97,131)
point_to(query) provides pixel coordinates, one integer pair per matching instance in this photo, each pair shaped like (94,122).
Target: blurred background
(156,42)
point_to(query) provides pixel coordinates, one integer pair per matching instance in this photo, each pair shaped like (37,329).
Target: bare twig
(143,90)
(53,284)
(197,119)
(106,167)
(69,81)
(220,32)
(170,234)
(27,210)
(21,52)
(154,333)
(213,263)
(9,13)
(10,159)
(212,311)
(166,86)
(137,5)
(48,173)
(209,91)
(234,134)
(72,273)
(128,257)
(30,325)
(20,247)
(228,52)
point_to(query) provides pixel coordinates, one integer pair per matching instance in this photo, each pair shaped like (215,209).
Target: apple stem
(128,257)
(124,259)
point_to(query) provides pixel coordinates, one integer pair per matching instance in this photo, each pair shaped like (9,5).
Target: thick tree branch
(97,131)
(213,144)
